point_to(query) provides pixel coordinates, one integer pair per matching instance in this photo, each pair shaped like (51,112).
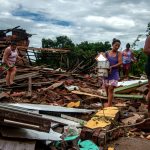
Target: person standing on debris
(146,50)
(9,59)
(115,59)
(127,58)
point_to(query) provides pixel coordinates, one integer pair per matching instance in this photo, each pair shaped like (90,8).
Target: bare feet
(107,105)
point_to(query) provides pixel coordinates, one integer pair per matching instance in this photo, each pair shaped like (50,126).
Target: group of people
(117,59)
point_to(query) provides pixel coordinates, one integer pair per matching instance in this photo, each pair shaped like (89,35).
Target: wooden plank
(30,87)
(3,94)
(143,89)
(129,88)
(88,94)
(19,77)
(44,49)
(129,96)
(53,86)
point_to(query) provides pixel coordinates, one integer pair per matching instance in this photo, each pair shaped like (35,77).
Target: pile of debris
(66,110)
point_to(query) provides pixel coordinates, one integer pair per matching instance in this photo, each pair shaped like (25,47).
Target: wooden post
(29,58)
(30,87)
(67,62)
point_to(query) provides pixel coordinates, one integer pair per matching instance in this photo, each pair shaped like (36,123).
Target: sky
(80,20)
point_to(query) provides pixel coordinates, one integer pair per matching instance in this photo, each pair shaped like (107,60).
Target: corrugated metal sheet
(50,108)
(29,134)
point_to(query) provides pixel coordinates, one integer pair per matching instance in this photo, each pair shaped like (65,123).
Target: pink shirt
(12,57)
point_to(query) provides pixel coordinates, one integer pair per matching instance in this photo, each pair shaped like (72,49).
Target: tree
(84,52)
(148,29)
(134,44)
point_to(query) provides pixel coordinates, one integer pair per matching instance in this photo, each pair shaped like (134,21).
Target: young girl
(115,59)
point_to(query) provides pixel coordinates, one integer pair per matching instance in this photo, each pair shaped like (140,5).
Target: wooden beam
(24,76)
(30,87)
(88,94)
(129,88)
(45,49)
(129,96)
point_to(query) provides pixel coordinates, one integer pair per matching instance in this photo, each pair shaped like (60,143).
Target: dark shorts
(147,70)
(126,66)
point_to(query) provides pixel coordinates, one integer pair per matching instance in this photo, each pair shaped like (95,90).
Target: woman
(147,67)
(115,59)
(127,58)
(9,59)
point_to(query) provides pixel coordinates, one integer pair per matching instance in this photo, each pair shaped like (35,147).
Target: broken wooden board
(102,118)
(145,125)
(129,96)
(24,76)
(53,86)
(88,94)
(53,50)
(133,119)
(143,89)
(4,94)
(129,88)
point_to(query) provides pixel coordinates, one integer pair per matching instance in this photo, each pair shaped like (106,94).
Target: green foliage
(148,29)
(137,68)
(84,52)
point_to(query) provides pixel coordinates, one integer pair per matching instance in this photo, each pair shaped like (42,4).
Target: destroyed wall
(22,39)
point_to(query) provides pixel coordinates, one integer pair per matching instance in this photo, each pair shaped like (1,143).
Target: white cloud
(98,20)
(112,22)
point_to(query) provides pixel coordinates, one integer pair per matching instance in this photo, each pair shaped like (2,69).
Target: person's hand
(110,69)
(11,66)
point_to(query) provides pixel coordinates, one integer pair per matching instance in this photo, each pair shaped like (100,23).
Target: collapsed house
(22,39)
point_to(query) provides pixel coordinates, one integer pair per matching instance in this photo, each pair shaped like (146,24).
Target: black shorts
(147,70)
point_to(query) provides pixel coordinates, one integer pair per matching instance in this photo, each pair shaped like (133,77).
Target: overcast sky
(80,20)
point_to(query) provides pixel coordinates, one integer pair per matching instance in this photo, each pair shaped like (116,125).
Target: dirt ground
(125,143)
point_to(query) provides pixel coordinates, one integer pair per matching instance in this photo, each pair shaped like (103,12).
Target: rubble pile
(66,110)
